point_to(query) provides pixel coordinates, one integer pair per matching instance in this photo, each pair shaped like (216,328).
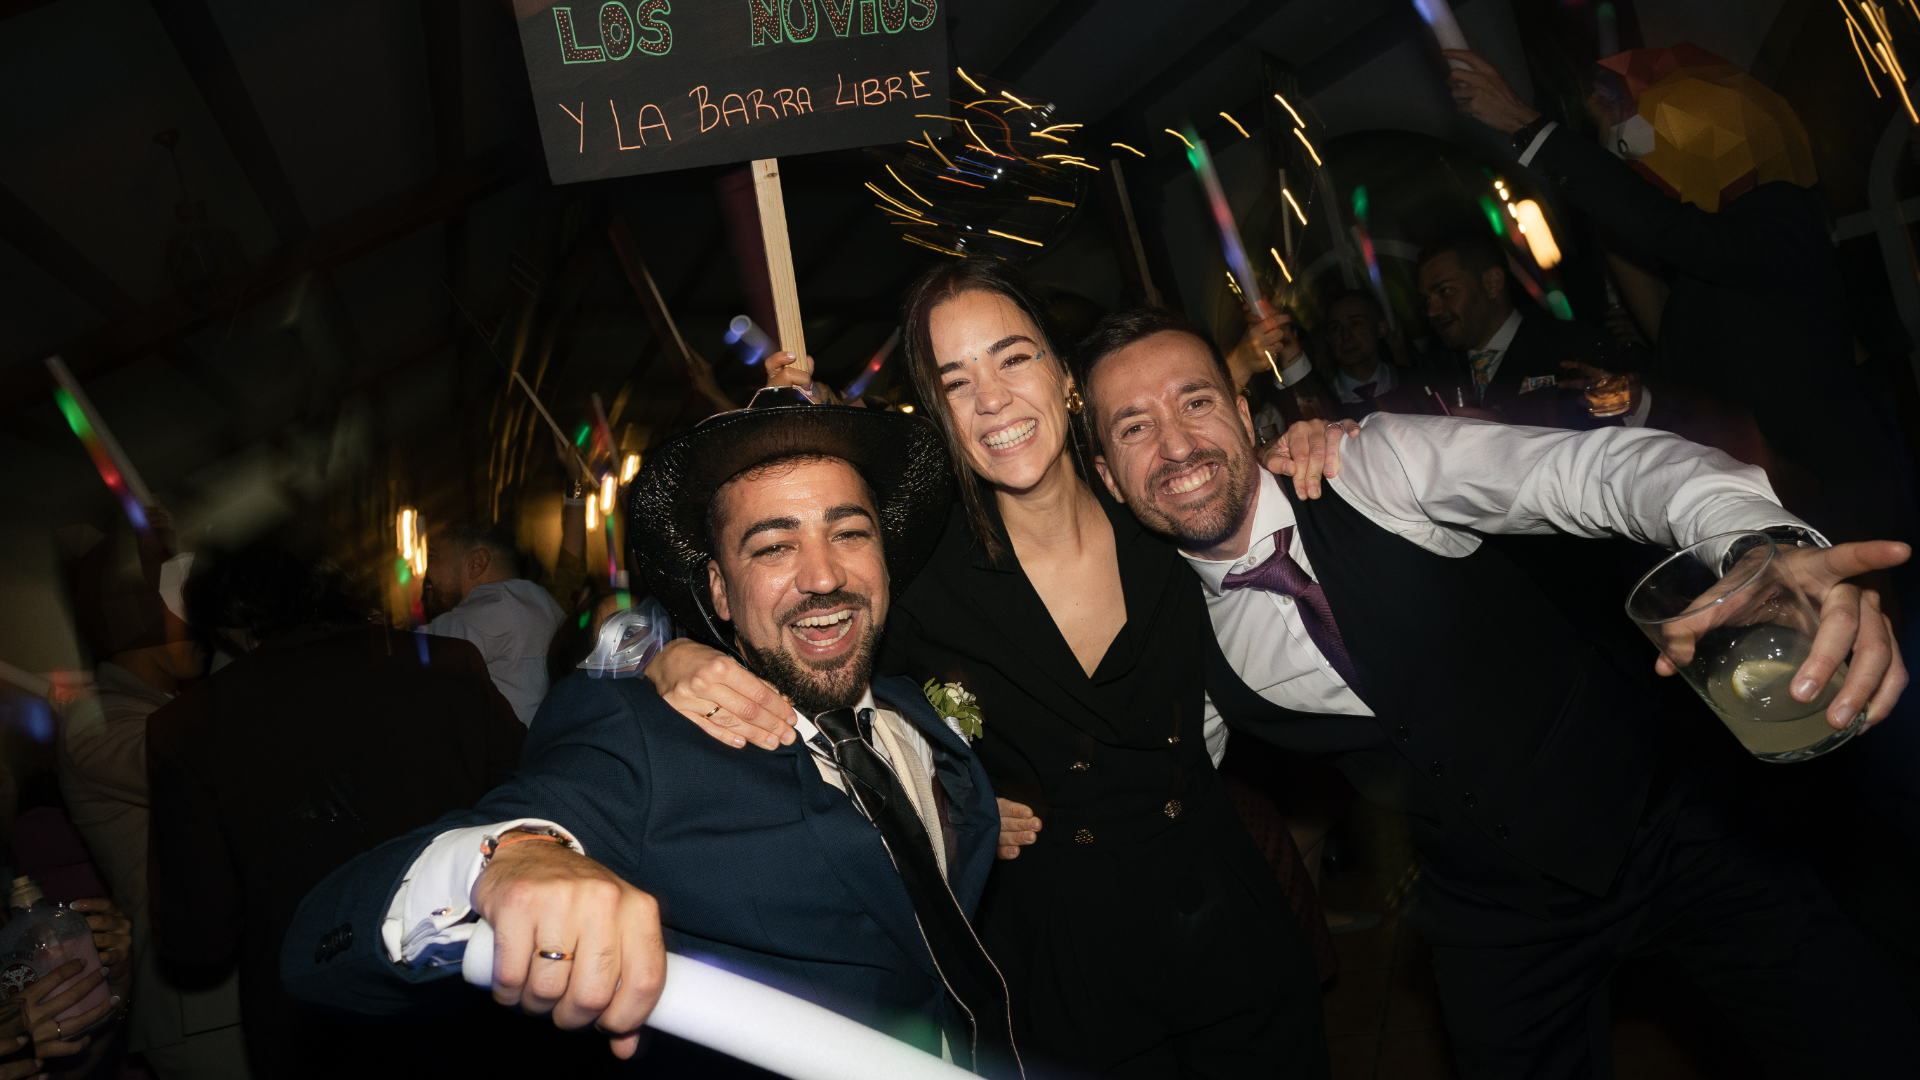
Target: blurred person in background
(128,605)
(476,568)
(1507,362)
(304,752)
(1371,368)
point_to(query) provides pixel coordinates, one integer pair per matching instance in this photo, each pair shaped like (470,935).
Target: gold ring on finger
(553,954)
(711,711)
(57,1032)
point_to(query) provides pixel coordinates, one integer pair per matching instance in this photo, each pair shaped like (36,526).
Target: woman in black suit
(1141,934)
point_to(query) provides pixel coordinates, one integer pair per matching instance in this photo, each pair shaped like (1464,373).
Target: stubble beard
(816,686)
(1208,524)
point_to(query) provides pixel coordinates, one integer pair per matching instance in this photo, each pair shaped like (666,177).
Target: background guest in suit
(1372,628)
(476,568)
(1507,360)
(305,751)
(1373,369)
(127,594)
(796,523)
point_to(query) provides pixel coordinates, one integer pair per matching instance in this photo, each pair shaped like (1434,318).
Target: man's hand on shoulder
(543,898)
(1306,451)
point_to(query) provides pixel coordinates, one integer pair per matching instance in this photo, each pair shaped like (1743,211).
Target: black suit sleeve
(1738,251)
(197,903)
(502,732)
(585,769)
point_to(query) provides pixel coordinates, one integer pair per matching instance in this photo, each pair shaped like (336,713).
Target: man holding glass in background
(1374,629)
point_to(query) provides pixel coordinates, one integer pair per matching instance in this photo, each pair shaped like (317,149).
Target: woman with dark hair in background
(1140,934)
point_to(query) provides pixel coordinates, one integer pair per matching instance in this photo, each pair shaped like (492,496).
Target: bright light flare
(1533,226)
(629,467)
(607,484)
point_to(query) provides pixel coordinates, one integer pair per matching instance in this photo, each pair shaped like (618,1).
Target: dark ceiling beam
(46,248)
(1231,32)
(10,8)
(203,49)
(1059,21)
(446,90)
(150,328)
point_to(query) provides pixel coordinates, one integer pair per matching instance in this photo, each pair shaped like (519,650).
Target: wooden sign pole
(773,232)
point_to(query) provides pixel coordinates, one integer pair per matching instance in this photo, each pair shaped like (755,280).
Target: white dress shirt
(511,623)
(1435,480)
(430,918)
(1383,379)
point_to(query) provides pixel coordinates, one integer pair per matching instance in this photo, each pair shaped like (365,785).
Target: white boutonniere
(959,708)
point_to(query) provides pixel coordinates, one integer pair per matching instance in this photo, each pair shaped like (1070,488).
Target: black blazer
(1539,344)
(756,861)
(295,758)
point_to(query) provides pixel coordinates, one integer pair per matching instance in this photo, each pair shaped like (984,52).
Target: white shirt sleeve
(1433,478)
(430,918)
(1213,729)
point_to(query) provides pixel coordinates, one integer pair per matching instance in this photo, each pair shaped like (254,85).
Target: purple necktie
(1280,574)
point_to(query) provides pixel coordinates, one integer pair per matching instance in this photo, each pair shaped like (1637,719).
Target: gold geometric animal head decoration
(1704,130)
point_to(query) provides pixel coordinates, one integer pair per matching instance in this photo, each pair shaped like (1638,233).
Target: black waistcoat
(1514,747)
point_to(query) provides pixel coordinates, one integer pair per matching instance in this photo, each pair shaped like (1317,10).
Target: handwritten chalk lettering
(726,102)
(839,15)
(879,90)
(656,37)
(616,30)
(571,52)
(620,32)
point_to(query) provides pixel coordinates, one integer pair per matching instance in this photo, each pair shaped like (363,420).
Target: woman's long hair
(933,288)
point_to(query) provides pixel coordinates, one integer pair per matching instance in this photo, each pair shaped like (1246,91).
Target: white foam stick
(25,680)
(758,1024)
(1439,17)
(136,486)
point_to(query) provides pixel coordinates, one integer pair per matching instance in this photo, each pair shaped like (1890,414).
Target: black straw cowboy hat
(900,456)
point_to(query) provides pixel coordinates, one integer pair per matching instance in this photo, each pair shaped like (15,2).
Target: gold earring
(1074,401)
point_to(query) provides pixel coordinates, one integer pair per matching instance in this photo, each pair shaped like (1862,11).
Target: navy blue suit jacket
(758,863)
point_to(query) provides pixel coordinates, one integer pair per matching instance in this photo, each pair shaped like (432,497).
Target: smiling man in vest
(1374,629)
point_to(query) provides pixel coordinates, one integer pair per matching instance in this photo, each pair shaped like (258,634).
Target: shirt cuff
(1526,156)
(431,916)
(1296,371)
(1638,417)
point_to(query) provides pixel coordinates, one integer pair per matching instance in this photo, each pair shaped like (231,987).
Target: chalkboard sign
(645,86)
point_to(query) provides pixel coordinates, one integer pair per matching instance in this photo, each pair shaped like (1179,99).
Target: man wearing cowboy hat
(841,868)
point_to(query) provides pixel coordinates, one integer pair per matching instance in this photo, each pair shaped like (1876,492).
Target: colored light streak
(1129,149)
(909,187)
(1182,138)
(1297,122)
(102,461)
(1236,125)
(1533,225)
(936,150)
(1010,236)
(1302,136)
(976,86)
(1297,212)
(1231,247)
(860,382)
(1275,252)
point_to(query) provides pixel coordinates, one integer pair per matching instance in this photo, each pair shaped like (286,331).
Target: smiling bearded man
(842,868)
(1375,630)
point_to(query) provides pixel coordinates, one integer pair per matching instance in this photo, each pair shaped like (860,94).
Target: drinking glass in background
(1738,634)
(1610,395)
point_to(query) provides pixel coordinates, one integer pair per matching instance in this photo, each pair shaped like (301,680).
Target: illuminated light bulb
(631,466)
(906,408)
(1504,197)
(1533,226)
(592,518)
(606,494)
(419,556)
(403,532)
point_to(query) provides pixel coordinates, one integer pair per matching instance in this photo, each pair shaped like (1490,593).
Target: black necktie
(963,962)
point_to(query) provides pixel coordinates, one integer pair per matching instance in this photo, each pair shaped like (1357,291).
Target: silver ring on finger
(553,954)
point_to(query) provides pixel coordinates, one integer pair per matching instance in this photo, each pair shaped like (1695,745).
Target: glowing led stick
(1439,18)
(1230,245)
(762,1026)
(861,381)
(115,469)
